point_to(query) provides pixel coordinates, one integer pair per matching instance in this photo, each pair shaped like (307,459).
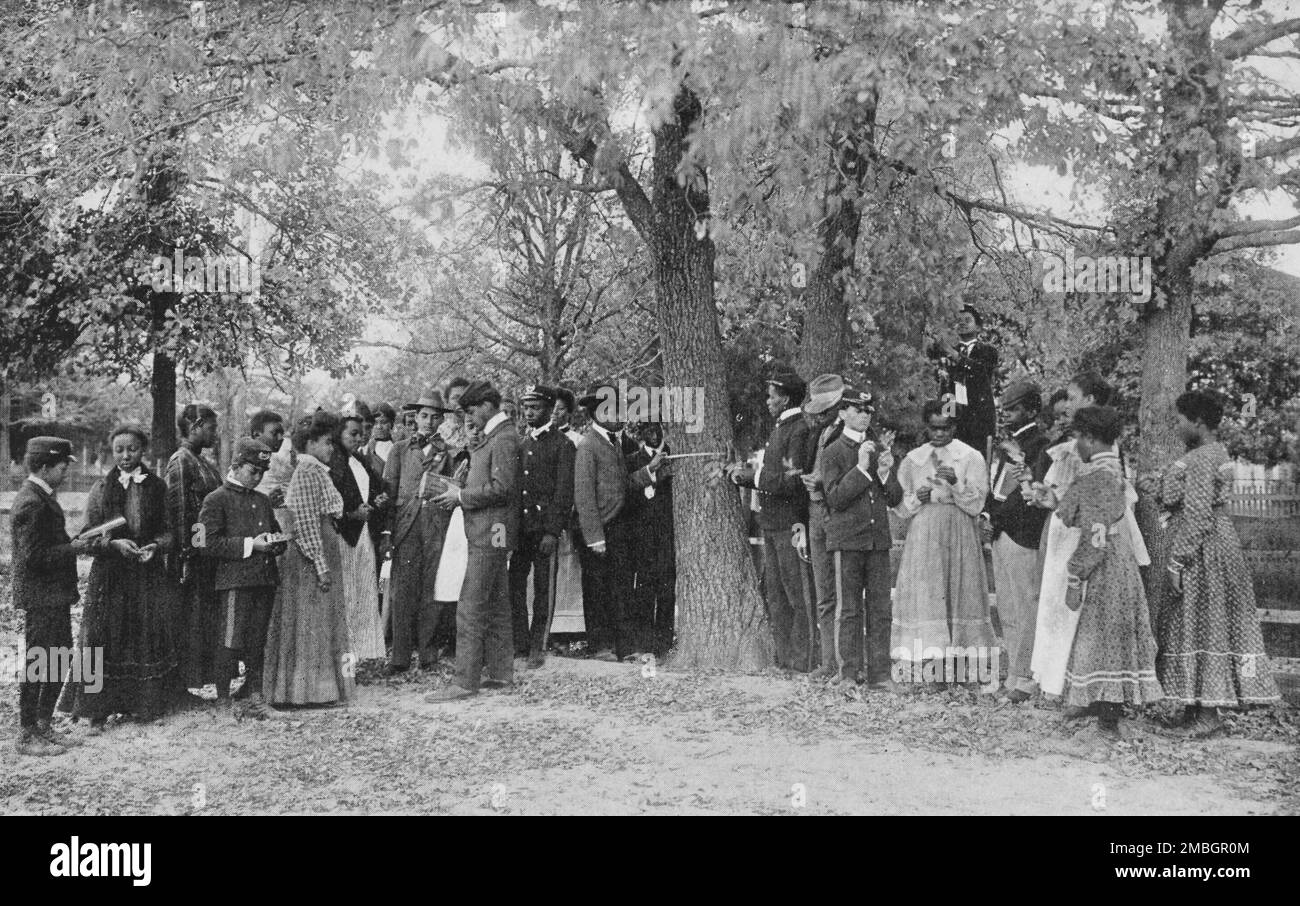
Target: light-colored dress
(309,659)
(1211,647)
(1056,623)
(942,597)
(453,560)
(361,582)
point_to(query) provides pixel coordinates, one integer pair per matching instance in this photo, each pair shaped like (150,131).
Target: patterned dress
(943,593)
(1211,648)
(195,620)
(1113,656)
(129,604)
(309,659)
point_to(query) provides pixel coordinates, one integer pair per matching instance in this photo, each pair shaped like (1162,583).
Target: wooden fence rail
(1264,498)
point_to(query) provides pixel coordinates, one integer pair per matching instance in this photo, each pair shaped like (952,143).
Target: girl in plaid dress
(309,659)
(1211,647)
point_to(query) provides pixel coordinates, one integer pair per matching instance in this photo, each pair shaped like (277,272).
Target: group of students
(1050,495)
(279,563)
(448,506)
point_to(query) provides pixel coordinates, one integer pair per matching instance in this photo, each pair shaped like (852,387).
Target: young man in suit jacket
(601,484)
(490,501)
(783,504)
(1015,528)
(240,532)
(966,371)
(45,586)
(861,481)
(414,476)
(546,498)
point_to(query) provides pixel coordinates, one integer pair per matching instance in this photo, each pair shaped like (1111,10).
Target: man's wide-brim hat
(825,391)
(430,400)
(597,394)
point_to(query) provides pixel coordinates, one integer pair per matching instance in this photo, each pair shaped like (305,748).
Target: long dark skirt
(129,619)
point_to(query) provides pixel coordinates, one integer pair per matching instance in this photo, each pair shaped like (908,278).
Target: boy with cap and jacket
(860,478)
(240,531)
(546,497)
(45,586)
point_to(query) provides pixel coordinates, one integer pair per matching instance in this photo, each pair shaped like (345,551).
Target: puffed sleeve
(972,485)
(910,477)
(1095,503)
(1172,485)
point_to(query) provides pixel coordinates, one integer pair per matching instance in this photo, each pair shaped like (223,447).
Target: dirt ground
(584,737)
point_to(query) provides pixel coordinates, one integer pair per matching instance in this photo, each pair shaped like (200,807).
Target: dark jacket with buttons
(857,504)
(230,514)
(45,566)
(1022,523)
(782,498)
(546,482)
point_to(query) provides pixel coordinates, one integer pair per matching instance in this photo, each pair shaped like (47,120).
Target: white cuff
(248,548)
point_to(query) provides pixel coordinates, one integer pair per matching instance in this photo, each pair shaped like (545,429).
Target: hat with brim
(859,399)
(430,400)
(51,446)
(251,451)
(825,392)
(789,384)
(597,394)
(538,393)
(1022,392)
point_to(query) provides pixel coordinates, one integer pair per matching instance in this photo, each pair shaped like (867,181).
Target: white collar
(789,412)
(535,433)
(138,475)
(493,422)
(856,436)
(1027,426)
(40,483)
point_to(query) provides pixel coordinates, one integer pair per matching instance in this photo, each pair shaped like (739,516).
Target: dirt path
(593,738)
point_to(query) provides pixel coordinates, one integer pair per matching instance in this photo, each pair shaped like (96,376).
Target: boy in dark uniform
(861,482)
(546,495)
(241,532)
(45,586)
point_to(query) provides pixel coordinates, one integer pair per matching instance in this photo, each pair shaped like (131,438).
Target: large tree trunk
(824,343)
(721,623)
(1181,227)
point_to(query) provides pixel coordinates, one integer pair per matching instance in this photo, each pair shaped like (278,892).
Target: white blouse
(362,476)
